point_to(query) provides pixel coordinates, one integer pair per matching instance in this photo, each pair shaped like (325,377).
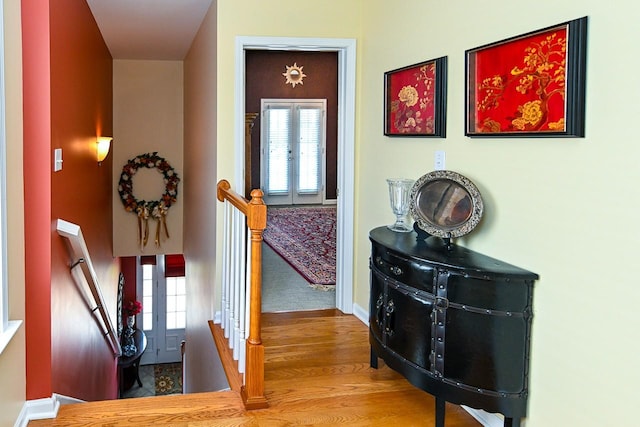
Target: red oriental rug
(306,239)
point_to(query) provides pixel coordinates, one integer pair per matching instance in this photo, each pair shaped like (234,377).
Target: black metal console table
(454,322)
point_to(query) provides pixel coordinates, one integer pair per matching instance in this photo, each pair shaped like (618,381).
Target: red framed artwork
(415,100)
(529,85)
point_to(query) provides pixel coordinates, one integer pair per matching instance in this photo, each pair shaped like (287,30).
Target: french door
(292,143)
(163,317)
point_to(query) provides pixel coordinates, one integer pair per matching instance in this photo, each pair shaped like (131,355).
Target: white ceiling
(149,29)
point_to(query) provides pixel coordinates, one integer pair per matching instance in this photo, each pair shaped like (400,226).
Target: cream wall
(12,359)
(275,18)
(203,368)
(564,208)
(147,117)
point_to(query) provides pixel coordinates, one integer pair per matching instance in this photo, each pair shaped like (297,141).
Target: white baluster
(226,278)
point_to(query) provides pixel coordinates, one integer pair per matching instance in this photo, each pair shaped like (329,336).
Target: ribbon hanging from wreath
(146,209)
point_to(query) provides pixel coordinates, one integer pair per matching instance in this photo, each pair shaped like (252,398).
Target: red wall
(71,99)
(128,268)
(37,201)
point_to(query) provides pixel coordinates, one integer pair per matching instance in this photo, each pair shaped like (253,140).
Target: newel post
(253,390)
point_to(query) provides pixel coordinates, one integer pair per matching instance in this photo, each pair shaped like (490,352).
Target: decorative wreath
(145,209)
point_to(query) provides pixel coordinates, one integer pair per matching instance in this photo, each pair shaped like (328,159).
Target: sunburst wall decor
(294,75)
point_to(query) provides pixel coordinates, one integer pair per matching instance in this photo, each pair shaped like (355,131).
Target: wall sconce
(103,145)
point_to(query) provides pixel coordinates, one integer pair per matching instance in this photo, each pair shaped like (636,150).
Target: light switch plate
(57,159)
(440,158)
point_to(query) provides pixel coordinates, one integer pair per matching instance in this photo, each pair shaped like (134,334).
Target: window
(163,283)
(7,328)
(147,296)
(176,303)
(3,201)
(292,144)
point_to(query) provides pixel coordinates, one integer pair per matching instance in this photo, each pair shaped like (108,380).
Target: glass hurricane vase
(399,190)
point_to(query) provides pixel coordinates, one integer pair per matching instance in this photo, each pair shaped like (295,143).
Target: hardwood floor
(316,373)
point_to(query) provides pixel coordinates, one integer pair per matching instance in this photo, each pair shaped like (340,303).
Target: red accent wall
(128,268)
(37,201)
(69,105)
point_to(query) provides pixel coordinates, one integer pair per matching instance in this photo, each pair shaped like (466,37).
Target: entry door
(163,317)
(292,142)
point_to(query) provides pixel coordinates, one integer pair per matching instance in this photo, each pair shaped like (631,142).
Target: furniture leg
(511,422)
(138,374)
(373,362)
(440,409)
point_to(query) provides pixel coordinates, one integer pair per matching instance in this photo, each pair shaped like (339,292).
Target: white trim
(8,333)
(38,409)
(361,314)
(346,49)
(66,400)
(487,419)
(4,278)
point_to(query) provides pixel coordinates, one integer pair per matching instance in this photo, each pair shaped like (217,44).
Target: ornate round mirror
(445,204)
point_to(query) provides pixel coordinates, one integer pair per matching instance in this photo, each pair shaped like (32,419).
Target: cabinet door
(408,324)
(376,305)
(485,351)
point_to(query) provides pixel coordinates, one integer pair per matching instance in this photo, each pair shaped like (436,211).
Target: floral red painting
(520,86)
(412,109)
(415,99)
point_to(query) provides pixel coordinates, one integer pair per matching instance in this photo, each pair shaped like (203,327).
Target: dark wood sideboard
(454,322)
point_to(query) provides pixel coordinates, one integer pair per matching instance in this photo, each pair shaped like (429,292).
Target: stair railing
(80,254)
(244,223)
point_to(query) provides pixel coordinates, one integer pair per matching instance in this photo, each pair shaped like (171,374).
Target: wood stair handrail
(81,258)
(256,212)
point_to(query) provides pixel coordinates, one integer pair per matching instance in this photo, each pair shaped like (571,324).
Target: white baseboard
(487,419)
(40,409)
(361,314)
(66,400)
(37,409)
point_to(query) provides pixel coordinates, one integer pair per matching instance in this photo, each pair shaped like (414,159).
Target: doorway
(346,50)
(292,146)
(162,288)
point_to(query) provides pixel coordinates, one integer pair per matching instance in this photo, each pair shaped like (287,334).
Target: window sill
(7,334)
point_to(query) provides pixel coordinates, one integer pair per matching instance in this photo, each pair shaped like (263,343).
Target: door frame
(346,49)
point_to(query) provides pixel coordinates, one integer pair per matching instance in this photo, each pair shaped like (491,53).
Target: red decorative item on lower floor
(132,308)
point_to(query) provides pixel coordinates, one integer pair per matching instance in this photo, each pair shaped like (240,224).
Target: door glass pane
(176,306)
(147,297)
(278,145)
(309,145)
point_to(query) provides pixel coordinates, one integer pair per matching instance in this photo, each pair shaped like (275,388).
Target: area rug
(168,378)
(306,238)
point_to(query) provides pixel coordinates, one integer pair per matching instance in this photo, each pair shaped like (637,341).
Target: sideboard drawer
(403,269)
